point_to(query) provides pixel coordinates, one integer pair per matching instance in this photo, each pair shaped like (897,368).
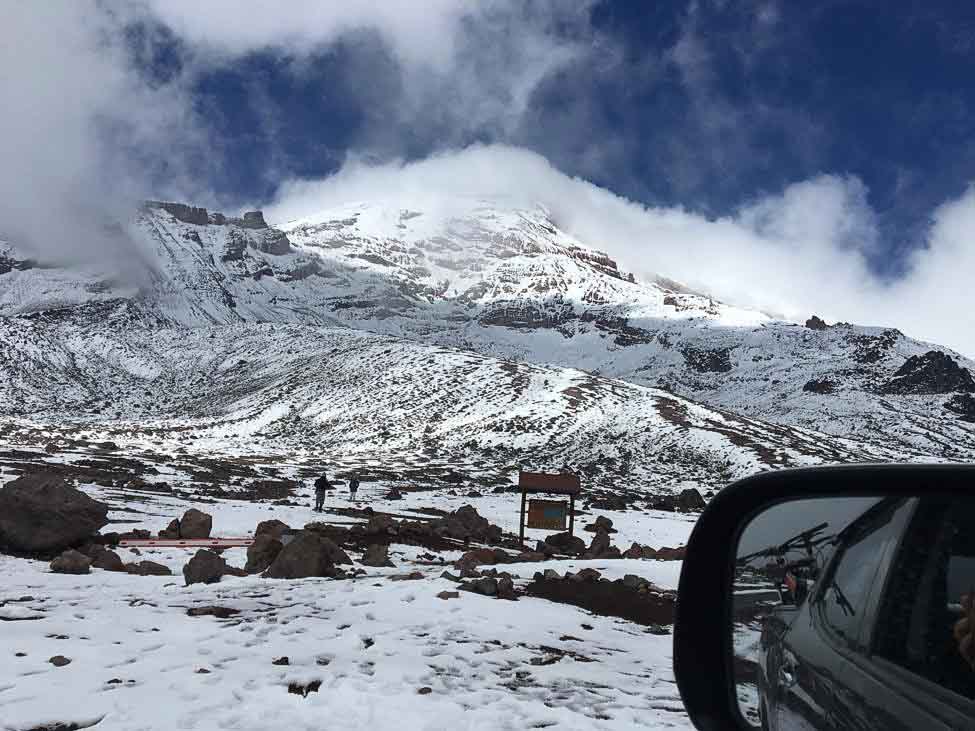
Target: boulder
(602,524)
(634,551)
(394,494)
(466,524)
(567,544)
(506,588)
(381,525)
(262,552)
(148,568)
(600,545)
(483,557)
(585,575)
(309,554)
(205,567)
(487,586)
(822,386)
(274,528)
(690,499)
(71,562)
(108,561)
(171,530)
(377,554)
(195,524)
(40,512)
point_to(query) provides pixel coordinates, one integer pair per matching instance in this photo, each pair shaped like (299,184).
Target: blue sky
(797,157)
(707,105)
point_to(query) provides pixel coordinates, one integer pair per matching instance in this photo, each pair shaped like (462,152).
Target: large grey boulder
(205,567)
(40,512)
(262,552)
(309,554)
(195,524)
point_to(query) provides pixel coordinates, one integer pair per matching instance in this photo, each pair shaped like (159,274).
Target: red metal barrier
(185,542)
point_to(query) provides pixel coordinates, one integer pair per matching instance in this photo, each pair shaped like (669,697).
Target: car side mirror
(834,597)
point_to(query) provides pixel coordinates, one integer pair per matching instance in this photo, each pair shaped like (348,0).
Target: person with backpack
(353,486)
(322,485)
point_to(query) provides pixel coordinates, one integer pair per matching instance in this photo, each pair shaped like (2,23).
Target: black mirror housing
(703,619)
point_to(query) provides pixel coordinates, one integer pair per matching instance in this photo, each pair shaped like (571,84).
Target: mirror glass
(856,613)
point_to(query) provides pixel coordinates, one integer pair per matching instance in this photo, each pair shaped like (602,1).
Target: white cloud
(793,254)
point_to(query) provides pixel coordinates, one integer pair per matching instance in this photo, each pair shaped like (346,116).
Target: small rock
(486,586)
(71,562)
(59,661)
(377,555)
(148,568)
(449,576)
(212,611)
(448,595)
(425,690)
(202,671)
(281,661)
(108,561)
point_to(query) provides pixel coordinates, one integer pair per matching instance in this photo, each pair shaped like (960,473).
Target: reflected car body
(817,667)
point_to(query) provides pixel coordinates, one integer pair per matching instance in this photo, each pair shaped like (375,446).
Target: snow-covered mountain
(481,335)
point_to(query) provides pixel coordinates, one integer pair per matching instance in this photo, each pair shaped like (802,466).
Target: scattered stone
(205,567)
(656,629)
(303,689)
(449,576)
(40,512)
(474,493)
(262,552)
(466,524)
(201,671)
(381,525)
(71,562)
(394,494)
(412,576)
(486,586)
(483,556)
(281,661)
(602,524)
(585,575)
(425,690)
(59,661)
(600,545)
(212,611)
(377,555)
(506,589)
(448,595)
(148,568)
(108,561)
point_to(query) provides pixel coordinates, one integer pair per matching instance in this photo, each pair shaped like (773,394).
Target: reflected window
(927,619)
(843,597)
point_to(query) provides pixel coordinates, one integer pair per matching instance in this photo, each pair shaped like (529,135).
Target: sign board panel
(548,514)
(565,484)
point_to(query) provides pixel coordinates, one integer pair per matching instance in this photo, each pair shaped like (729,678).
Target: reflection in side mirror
(856,613)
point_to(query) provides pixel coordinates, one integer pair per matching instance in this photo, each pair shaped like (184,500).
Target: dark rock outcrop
(931,373)
(252,219)
(42,513)
(821,386)
(962,404)
(704,360)
(466,523)
(815,323)
(183,212)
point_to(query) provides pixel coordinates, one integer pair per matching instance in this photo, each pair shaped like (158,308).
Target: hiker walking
(321,486)
(353,486)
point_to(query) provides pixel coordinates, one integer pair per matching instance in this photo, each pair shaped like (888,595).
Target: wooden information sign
(548,514)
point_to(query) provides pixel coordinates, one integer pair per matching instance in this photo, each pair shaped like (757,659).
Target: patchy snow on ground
(382,653)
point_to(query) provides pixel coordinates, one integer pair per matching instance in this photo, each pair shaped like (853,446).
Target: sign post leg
(572,514)
(521,522)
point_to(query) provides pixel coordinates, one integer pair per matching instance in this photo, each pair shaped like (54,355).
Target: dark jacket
(322,484)
(353,484)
